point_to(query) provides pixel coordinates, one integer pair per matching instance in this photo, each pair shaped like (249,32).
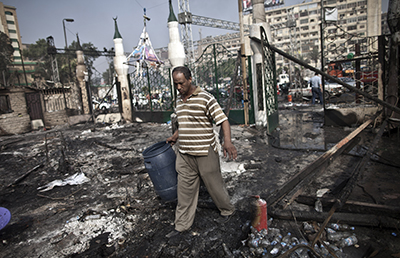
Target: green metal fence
(217,70)
(151,88)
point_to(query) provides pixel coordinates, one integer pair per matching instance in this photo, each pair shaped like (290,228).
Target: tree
(109,73)
(6,51)
(38,52)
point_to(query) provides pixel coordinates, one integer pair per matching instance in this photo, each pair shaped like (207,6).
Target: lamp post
(65,37)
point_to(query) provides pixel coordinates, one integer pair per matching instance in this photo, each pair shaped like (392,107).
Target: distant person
(197,157)
(316,88)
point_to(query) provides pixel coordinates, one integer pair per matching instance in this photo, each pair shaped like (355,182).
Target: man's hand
(172,140)
(229,149)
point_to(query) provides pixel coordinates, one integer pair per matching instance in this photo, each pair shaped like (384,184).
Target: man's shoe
(173,233)
(224,219)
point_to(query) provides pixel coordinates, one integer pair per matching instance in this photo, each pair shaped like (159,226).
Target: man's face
(182,84)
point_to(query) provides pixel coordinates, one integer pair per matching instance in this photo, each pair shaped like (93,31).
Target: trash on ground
(76,179)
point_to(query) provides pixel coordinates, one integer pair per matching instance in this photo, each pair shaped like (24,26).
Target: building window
(352,28)
(303,21)
(305,48)
(5,106)
(362,18)
(10,22)
(351,5)
(8,13)
(352,20)
(362,3)
(12,31)
(303,13)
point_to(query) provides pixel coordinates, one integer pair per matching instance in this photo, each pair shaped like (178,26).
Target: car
(331,89)
(349,81)
(104,107)
(222,93)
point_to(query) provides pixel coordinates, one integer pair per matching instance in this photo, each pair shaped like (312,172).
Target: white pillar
(122,71)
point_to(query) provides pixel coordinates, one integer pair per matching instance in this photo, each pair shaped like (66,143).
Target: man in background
(316,88)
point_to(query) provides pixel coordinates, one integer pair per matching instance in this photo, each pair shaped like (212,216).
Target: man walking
(316,88)
(197,157)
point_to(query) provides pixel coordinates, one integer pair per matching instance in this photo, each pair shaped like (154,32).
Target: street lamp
(65,37)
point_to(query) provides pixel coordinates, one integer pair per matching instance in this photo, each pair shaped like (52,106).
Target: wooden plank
(324,160)
(349,205)
(354,219)
(345,193)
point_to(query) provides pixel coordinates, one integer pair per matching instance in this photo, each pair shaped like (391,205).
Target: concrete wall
(18,121)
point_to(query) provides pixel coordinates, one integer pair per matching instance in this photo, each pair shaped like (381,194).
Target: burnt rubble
(83,191)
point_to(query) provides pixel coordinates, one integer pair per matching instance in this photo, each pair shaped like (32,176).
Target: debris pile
(275,242)
(101,202)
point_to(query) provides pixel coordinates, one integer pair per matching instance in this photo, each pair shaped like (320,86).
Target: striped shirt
(195,120)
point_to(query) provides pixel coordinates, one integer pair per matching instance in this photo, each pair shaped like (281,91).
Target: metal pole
(148,83)
(22,62)
(322,52)
(243,70)
(130,96)
(358,71)
(216,72)
(65,37)
(4,79)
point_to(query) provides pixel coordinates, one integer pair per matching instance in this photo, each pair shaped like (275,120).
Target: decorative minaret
(81,75)
(122,72)
(176,52)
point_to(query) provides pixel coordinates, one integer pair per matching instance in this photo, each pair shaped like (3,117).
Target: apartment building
(297,29)
(21,69)
(9,26)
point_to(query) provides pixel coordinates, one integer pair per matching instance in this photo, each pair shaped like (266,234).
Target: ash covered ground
(110,209)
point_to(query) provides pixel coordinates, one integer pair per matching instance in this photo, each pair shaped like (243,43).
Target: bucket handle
(147,165)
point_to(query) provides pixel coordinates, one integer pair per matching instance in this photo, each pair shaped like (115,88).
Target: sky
(93,20)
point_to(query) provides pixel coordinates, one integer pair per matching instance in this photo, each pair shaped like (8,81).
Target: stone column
(80,75)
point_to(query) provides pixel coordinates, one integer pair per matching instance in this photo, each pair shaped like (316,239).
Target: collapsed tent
(144,52)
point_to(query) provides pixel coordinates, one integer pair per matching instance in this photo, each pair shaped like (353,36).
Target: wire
(156,6)
(139,4)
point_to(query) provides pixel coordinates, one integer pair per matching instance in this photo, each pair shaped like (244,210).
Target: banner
(331,14)
(248,6)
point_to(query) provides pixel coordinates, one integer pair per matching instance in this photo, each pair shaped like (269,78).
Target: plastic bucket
(5,217)
(159,160)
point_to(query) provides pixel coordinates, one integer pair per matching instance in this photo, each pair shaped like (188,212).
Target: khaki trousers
(189,169)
